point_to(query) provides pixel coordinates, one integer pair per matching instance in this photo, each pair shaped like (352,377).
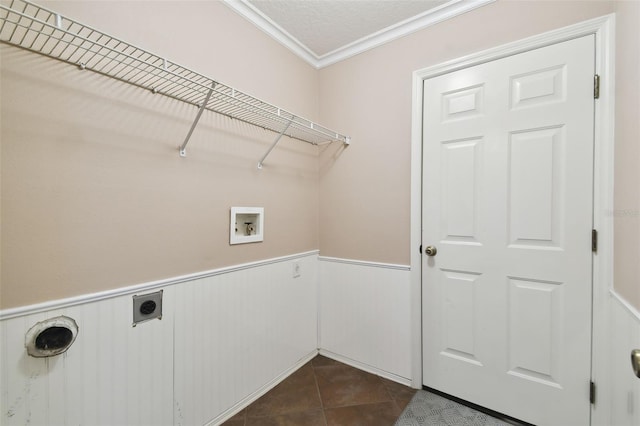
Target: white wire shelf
(35,28)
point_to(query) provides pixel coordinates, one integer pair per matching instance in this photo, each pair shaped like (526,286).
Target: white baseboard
(365,367)
(241,405)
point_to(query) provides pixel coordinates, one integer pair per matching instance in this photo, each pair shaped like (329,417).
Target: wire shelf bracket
(37,29)
(273,145)
(183,147)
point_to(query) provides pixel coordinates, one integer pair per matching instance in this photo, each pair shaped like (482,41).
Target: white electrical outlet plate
(296,270)
(246,225)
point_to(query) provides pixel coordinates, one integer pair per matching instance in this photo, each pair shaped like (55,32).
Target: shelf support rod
(275,142)
(183,152)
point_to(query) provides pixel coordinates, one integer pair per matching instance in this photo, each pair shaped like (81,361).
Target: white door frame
(604,29)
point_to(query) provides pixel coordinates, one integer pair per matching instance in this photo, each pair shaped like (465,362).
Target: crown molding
(426,19)
(430,17)
(266,24)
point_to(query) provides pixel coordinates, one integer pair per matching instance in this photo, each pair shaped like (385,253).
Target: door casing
(604,29)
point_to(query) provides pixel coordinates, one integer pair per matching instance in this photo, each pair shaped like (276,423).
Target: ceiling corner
(266,24)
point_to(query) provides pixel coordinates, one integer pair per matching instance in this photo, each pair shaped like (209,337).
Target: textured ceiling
(324,26)
(323,32)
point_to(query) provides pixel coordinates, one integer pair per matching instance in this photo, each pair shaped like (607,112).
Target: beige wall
(94,194)
(364,207)
(627,175)
(364,196)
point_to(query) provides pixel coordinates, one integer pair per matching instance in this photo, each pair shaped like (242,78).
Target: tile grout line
(315,379)
(387,398)
(391,397)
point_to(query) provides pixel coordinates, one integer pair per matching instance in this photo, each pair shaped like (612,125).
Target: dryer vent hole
(54,338)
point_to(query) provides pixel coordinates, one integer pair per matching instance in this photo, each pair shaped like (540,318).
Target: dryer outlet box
(147,307)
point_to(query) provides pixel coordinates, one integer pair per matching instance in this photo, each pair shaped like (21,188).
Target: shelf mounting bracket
(183,147)
(275,142)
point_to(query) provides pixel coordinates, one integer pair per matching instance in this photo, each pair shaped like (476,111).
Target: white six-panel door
(507,202)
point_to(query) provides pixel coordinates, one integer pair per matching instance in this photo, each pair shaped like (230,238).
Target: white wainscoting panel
(236,332)
(224,339)
(113,374)
(364,315)
(624,393)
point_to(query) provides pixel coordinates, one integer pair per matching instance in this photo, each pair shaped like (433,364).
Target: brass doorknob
(635,362)
(430,251)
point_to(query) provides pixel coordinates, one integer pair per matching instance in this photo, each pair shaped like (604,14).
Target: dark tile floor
(325,392)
